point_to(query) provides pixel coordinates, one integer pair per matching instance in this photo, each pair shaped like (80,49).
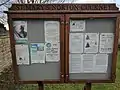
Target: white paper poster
(101,63)
(52,30)
(76,43)
(52,52)
(94,63)
(20,31)
(87,63)
(37,53)
(22,54)
(77,25)
(91,43)
(74,63)
(106,42)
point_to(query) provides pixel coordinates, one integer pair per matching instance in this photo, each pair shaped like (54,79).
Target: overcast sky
(94,1)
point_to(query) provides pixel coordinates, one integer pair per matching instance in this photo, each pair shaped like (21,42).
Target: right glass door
(89,48)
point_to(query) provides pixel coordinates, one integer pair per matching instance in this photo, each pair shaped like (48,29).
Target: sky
(76,1)
(94,1)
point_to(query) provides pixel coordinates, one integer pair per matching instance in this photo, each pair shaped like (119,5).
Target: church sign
(64,43)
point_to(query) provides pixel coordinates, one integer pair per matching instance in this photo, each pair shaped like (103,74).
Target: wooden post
(87,86)
(40,86)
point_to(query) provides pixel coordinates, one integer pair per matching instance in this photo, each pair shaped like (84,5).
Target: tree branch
(4,2)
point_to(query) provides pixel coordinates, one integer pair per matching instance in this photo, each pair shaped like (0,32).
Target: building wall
(5,55)
(3,30)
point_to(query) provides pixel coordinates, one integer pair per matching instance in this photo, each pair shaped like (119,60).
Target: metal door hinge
(62,76)
(62,22)
(67,23)
(67,75)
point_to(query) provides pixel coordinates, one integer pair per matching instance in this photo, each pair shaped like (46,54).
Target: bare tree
(4,5)
(43,1)
(28,1)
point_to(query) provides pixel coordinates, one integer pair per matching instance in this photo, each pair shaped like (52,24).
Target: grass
(102,86)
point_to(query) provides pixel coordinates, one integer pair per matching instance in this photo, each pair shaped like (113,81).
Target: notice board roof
(63,8)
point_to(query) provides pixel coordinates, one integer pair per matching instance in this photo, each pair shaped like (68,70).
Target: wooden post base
(87,86)
(40,86)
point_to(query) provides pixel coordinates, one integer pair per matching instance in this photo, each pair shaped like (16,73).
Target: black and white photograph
(20,30)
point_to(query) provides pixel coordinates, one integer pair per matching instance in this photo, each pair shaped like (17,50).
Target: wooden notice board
(64,43)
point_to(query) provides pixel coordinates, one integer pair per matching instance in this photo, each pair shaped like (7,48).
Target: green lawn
(110,86)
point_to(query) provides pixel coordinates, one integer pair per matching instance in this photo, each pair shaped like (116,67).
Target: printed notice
(52,29)
(101,63)
(91,43)
(106,42)
(87,63)
(52,52)
(77,25)
(37,53)
(75,63)
(94,63)
(22,54)
(76,43)
(20,31)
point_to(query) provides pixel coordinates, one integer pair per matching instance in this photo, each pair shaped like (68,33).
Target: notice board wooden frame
(64,12)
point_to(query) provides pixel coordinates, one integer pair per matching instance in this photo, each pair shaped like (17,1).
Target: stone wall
(5,55)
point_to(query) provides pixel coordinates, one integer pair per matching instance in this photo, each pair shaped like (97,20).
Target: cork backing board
(97,26)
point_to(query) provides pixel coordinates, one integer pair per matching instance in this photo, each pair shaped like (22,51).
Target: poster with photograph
(91,43)
(76,42)
(37,52)
(106,42)
(22,54)
(77,25)
(52,52)
(20,31)
(52,30)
